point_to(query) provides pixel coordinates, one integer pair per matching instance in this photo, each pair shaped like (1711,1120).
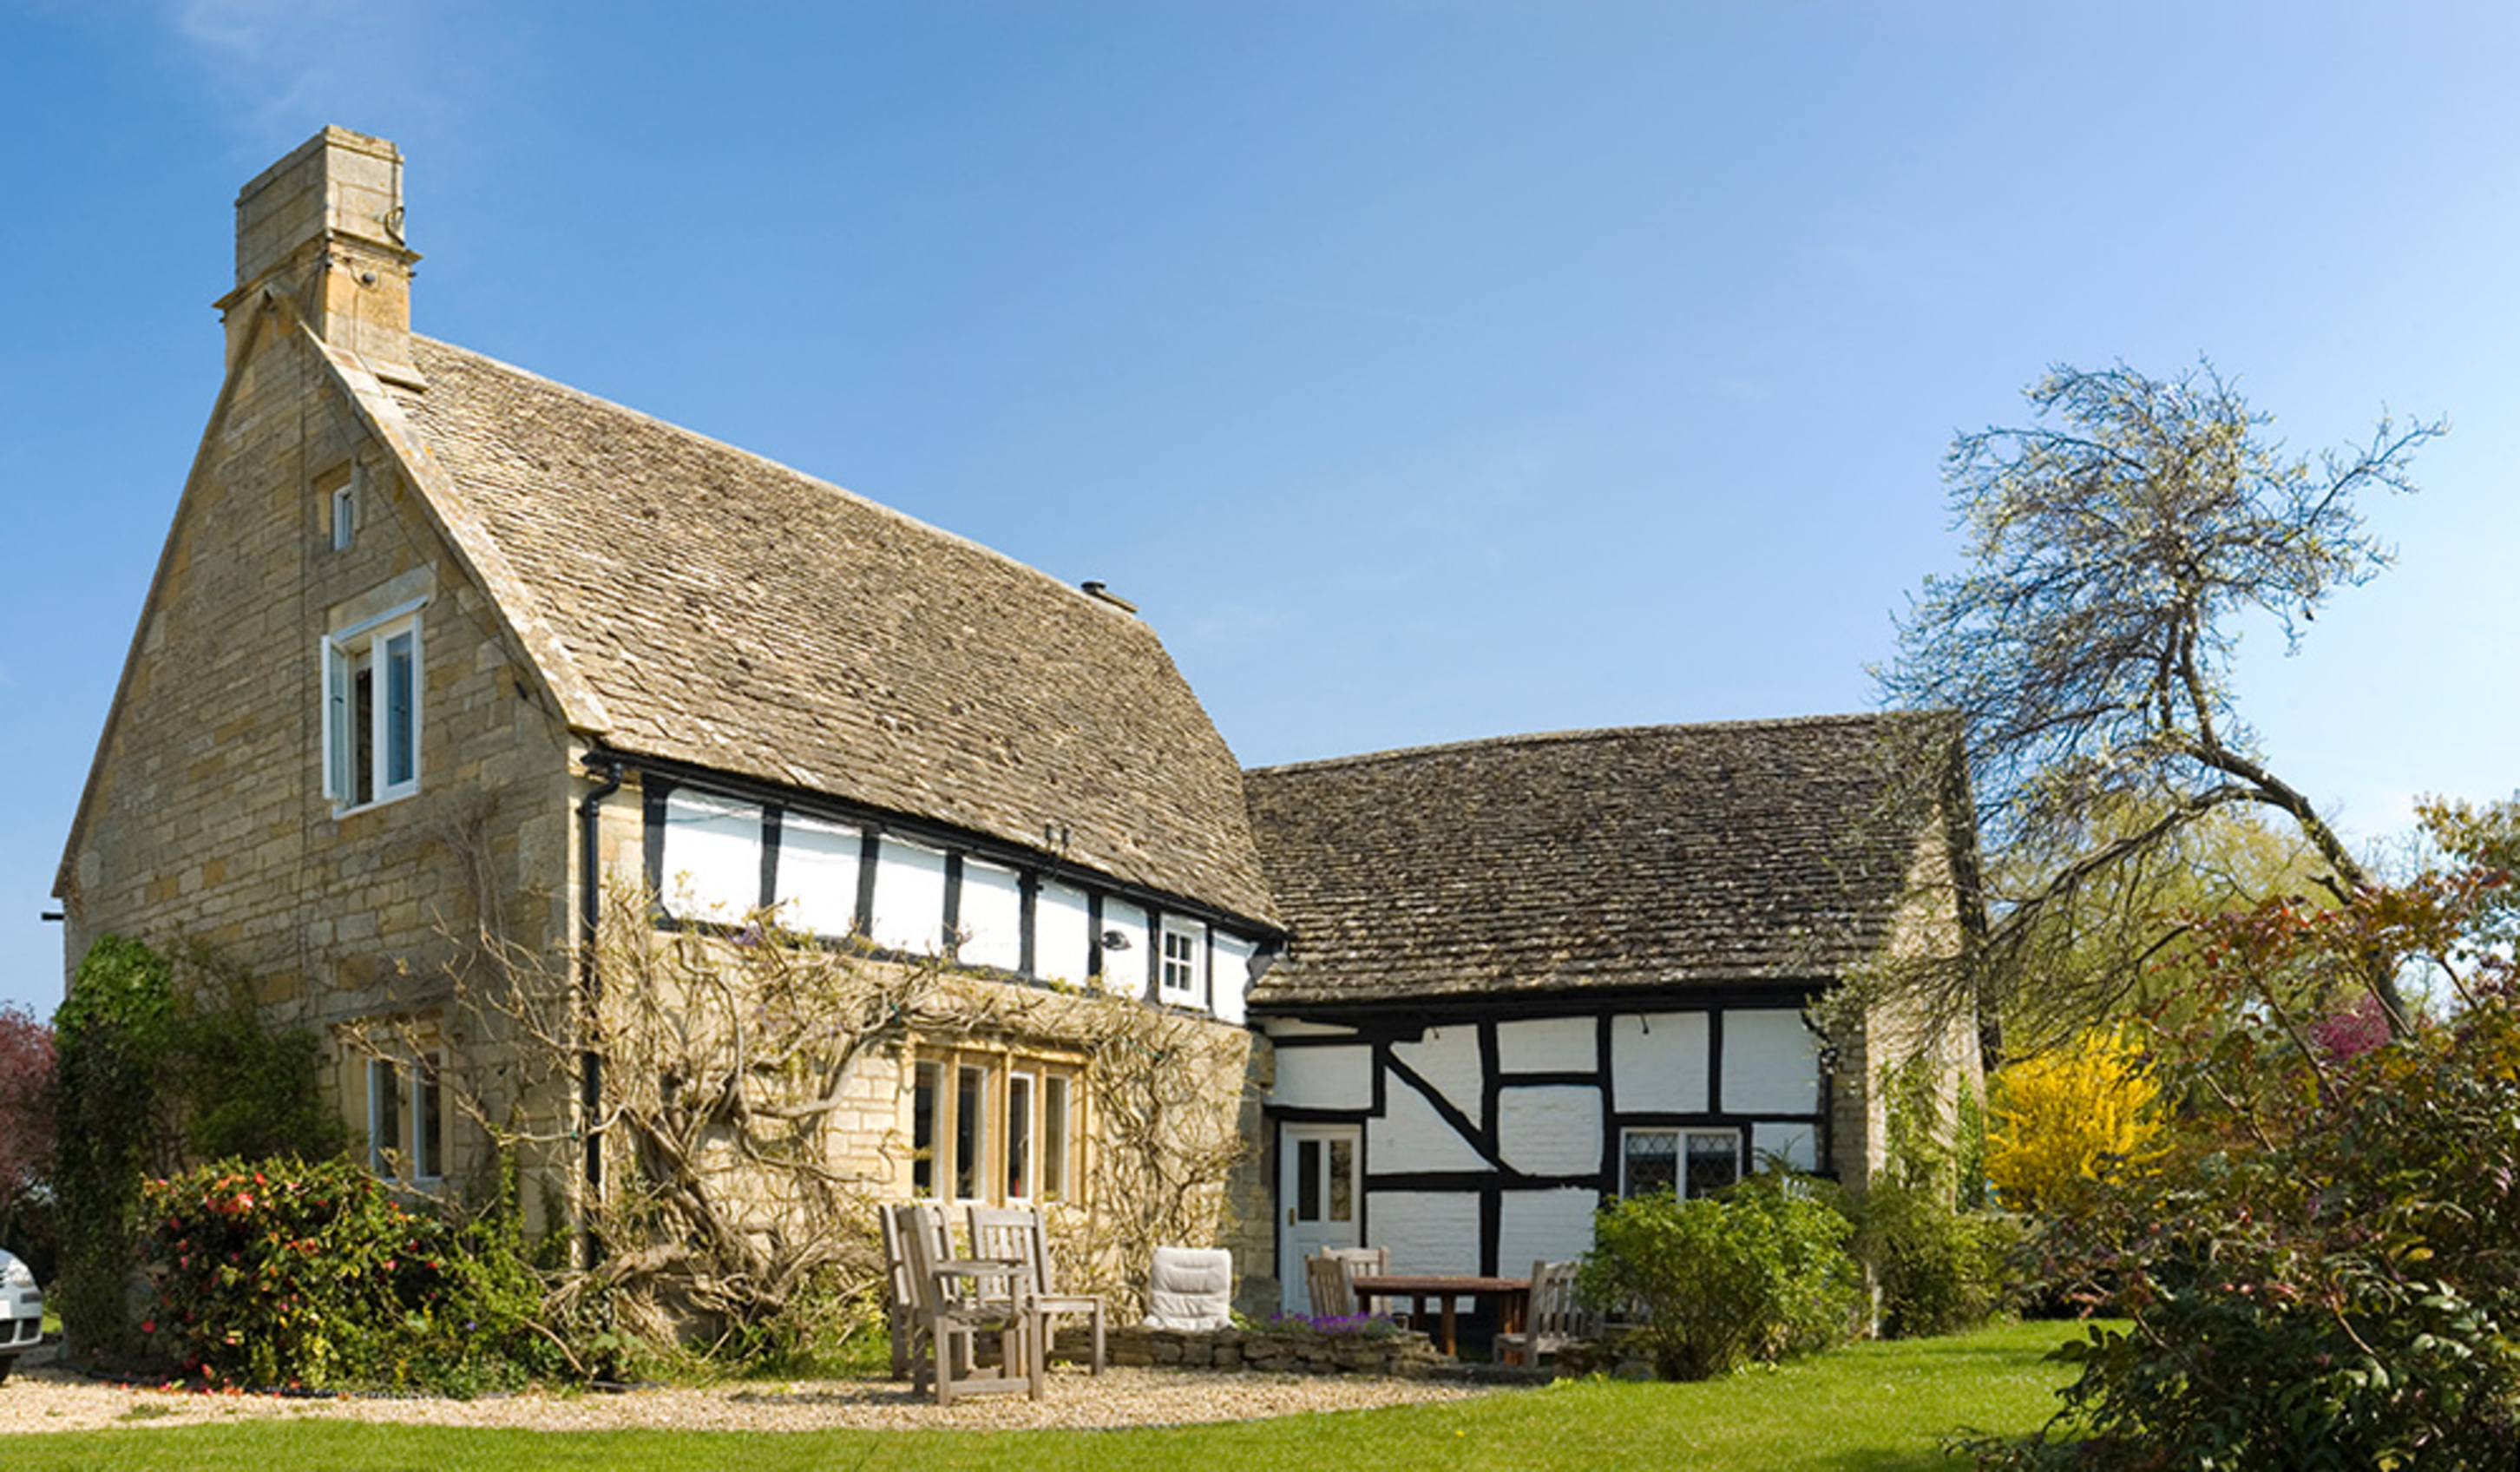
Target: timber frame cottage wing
(1531,974)
(434,641)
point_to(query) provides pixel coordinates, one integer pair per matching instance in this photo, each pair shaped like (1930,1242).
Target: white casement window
(995,1128)
(1683,1162)
(1184,978)
(406,1118)
(372,715)
(345,514)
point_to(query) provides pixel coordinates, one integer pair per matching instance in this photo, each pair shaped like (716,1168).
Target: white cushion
(1190,1288)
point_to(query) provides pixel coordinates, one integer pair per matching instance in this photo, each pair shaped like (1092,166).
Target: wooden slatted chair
(1325,1280)
(1552,1321)
(1363,1262)
(958,1300)
(901,1307)
(1020,1234)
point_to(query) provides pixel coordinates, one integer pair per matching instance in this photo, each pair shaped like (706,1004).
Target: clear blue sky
(1426,370)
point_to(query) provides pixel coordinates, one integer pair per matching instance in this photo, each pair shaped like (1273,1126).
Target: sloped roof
(730,613)
(1639,858)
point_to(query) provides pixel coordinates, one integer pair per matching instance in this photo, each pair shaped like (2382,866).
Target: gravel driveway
(41,1397)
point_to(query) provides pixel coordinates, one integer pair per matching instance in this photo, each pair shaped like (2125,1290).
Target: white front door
(1320,1172)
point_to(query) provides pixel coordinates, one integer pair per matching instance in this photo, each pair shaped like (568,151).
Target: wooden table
(1512,1296)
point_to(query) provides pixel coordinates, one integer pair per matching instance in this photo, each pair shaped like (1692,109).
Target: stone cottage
(437,648)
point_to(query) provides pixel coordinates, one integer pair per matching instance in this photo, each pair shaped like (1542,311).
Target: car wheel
(7,1362)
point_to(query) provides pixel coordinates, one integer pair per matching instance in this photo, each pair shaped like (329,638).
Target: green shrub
(1941,1269)
(287,1273)
(110,1038)
(161,1060)
(1759,1272)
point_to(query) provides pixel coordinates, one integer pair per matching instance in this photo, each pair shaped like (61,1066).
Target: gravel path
(44,1398)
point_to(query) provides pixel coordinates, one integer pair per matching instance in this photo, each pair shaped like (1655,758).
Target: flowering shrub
(287,1273)
(2323,1274)
(2066,1119)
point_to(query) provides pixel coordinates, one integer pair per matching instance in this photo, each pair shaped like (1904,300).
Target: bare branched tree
(2113,549)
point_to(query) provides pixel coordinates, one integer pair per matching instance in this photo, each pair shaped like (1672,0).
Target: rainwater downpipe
(590,980)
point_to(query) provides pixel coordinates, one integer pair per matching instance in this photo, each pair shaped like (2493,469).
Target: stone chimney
(322,229)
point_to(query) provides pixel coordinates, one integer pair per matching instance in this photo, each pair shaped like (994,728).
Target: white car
(21,1311)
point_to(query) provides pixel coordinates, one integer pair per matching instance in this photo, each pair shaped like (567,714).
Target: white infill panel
(1428,1232)
(1448,1059)
(1332,1078)
(1550,1226)
(1658,1062)
(1770,1063)
(712,857)
(818,874)
(1124,943)
(1550,1045)
(1060,937)
(1551,1129)
(1231,977)
(1790,1142)
(909,897)
(1409,1136)
(991,918)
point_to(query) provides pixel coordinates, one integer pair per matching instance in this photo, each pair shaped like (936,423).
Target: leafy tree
(2066,1119)
(2114,548)
(27,1225)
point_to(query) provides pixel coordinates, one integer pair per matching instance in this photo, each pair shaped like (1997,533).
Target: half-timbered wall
(1487,1143)
(715,857)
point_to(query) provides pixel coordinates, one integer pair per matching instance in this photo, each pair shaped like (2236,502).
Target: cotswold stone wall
(1404,1352)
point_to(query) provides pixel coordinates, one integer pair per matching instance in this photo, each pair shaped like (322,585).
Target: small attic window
(345,512)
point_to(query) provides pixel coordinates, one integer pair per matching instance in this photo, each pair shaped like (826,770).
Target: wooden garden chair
(1021,1235)
(956,1301)
(1552,1321)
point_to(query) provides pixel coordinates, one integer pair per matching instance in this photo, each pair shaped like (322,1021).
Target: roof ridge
(780,466)
(1591,734)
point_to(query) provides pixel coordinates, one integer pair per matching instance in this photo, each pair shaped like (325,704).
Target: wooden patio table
(1512,1296)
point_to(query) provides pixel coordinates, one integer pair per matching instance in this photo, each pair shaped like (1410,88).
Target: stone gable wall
(207,821)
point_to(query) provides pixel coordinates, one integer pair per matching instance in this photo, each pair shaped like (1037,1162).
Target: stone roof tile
(740,616)
(1635,858)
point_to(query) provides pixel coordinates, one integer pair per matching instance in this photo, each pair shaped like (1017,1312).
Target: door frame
(1294,1242)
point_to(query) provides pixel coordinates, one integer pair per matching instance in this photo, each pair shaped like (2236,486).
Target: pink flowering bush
(283,1273)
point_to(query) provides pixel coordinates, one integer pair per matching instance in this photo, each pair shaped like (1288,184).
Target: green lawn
(1881,1408)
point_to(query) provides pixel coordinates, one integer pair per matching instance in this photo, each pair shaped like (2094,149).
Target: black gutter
(590,918)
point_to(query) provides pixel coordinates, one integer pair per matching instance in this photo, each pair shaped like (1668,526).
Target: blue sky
(1426,370)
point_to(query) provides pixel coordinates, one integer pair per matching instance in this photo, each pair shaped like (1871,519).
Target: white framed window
(406,1118)
(345,513)
(1184,978)
(371,710)
(995,1128)
(1685,1162)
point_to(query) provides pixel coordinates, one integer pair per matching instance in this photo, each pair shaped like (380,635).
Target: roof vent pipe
(1094,589)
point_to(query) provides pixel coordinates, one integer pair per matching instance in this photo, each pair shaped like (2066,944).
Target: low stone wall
(1406,1353)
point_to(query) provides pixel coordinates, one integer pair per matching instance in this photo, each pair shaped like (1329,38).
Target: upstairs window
(1185,965)
(372,690)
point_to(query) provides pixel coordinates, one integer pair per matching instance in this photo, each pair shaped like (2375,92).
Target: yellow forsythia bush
(2064,1119)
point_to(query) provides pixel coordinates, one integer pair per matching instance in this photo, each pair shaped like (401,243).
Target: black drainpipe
(590,916)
